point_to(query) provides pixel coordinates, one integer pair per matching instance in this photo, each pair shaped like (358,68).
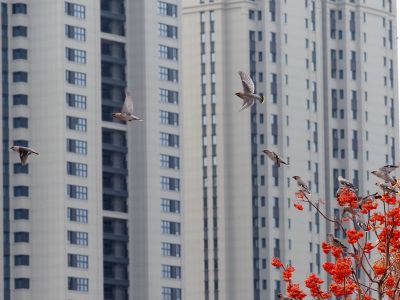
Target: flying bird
(248,96)
(274,157)
(346,183)
(335,242)
(24,152)
(127,110)
(303,186)
(384,172)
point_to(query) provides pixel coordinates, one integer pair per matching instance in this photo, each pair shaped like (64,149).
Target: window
(76,33)
(170,183)
(21,237)
(20,53)
(75,10)
(77,146)
(171,206)
(21,283)
(169,271)
(21,214)
(21,191)
(77,215)
(19,31)
(167,52)
(169,161)
(168,74)
(77,192)
(78,124)
(167,96)
(169,118)
(170,249)
(21,169)
(167,9)
(169,293)
(76,101)
(20,99)
(168,31)
(75,55)
(77,238)
(78,284)
(78,261)
(169,227)
(170,140)
(21,143)
(76,78)
(76,169)
(20,76)
(21,260)
(19,8)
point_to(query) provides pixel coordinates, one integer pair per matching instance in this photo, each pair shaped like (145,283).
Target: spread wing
(388,168)
(128,104)
(247,82)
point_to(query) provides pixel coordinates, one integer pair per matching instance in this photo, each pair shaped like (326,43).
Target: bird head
(114,115)
(237,94)
(374,172)
(296,177)
(13,148)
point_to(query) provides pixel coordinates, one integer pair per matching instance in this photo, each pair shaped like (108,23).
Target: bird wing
(270,154)
(128,104)
(303,185)
(246,104)
(23,155)
(247,82)
(388,168)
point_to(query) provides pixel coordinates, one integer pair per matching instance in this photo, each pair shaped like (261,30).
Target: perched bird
(303,186)
(275,158)
(24,152)
(346,183)
(335,242)
(127,110)
(248,96)
(386,188)
(355,216)
(384,172)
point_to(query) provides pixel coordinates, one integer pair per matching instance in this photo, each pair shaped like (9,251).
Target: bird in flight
(384,172)
(127,110)
(274,157)
(248,96)
(24,152)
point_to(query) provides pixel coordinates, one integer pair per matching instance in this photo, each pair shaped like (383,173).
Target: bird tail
(262,99)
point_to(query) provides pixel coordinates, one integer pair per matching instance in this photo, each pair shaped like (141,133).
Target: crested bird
(248,96)
(336,242)
(346,183)
(303,186)
(274,157)
(24,152)
(126,113)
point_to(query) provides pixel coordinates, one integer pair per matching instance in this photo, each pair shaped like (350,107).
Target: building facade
(98,214)
(327,71)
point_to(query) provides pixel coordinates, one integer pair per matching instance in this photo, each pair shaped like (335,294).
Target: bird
(248,96)
(303,186)
(335,242)
(24,152)
(346,183)
(384,172)
(283,297)
(275,157)
(127,110)
(386,188)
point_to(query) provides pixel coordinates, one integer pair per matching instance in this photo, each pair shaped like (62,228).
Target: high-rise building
(97,214)
(327,69)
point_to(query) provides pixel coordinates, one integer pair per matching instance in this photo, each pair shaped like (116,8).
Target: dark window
(20,76)
(78,124)
(78,238)
(78,261)
(20,53)
(21,283)
(21,214)
(21,191)
(21,169)
(76,169)
(74,32)
(21,143)
(75,10)
(20,99)
(76,78)
(19,31)
(77,101)
(78,284)
(19,8)
(21,260)
(75,55)
(167,9)
(77,146)
(21,237)
(77,215)
(77,192)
